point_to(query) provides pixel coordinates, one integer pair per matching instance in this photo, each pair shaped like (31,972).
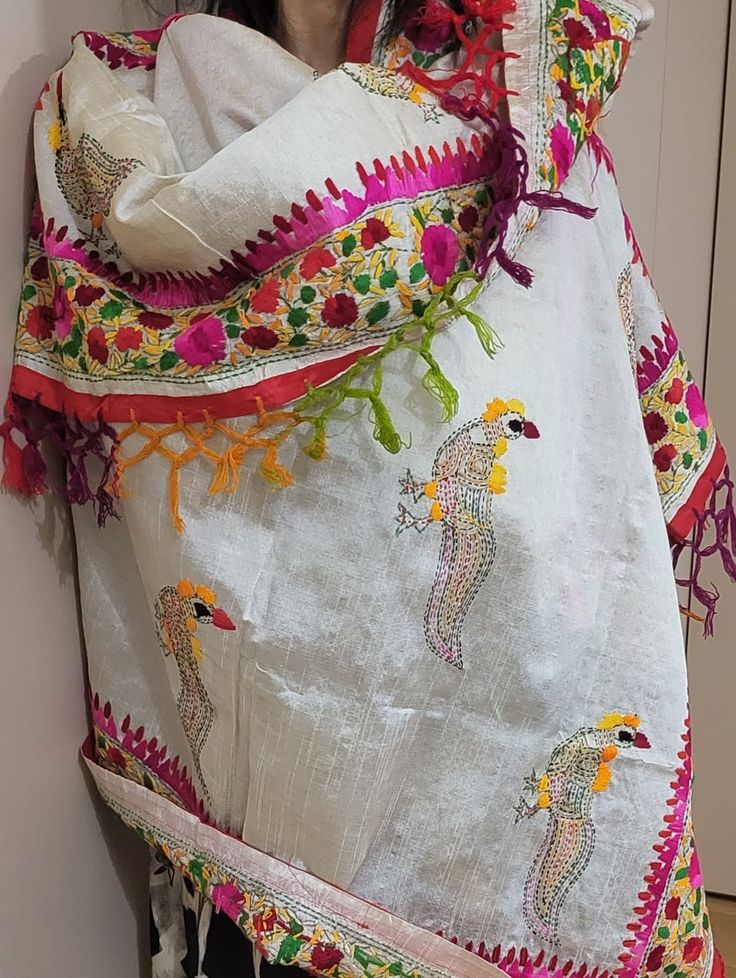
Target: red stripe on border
(684,519)
(274,392)
(363,31)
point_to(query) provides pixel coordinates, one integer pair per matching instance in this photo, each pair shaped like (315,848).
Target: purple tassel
(722,541)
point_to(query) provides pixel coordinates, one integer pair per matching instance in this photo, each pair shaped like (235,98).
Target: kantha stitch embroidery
(465,477)
(577,770)
(393,84)
(179,611)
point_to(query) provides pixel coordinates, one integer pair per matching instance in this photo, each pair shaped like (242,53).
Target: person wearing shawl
(422,710)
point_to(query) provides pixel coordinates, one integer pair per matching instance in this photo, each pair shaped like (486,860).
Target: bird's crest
(497,407)
(611,720)
(188,590)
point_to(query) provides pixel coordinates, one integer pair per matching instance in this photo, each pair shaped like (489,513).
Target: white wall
(73,881)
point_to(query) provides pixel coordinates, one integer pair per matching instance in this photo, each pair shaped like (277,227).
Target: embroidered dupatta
(188,304)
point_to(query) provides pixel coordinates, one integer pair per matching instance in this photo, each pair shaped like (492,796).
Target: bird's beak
(641,740)
(530,430)
(221,620)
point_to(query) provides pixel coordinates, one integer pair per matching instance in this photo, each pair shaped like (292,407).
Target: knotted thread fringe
(714,533)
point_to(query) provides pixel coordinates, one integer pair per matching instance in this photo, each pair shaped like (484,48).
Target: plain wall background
(73,901)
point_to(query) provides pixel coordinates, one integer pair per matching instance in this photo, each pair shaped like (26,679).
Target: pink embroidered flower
(655,427)
(675,394)
(664,457)
(692,950)
(314,261)
(324,958)
(266,298)
(655,959)
(428,33)
(340,310)
(696,877)
(578,34)
(155,320)
(40,322)
(229,899)
(696,407)
(439,252)
(63,313)
(85,295)
(562,148)
(468,218)
(672,908)
(202,343)
(40,268)
(128,338)
(597,18)
(97,344)
(260,337)
(373,232)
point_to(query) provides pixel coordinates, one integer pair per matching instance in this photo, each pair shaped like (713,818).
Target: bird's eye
(515,426)
(625,736)
(201,610)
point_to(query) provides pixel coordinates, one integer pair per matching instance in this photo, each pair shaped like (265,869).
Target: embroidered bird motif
(577,770)
(179,611)
(466,476)
(88,176)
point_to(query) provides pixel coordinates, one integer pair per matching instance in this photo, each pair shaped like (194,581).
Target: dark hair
(261,14)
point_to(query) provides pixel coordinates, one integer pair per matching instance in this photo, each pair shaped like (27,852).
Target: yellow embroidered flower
(516,405)
(494,409)
(55,135)
(497,479)
(501,446)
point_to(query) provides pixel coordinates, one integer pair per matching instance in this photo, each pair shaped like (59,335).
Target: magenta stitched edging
(151,754)
(522,963)
(115,55)
(319,216)
(654,362)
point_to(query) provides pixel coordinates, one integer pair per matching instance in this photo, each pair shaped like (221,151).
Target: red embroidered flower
(97,344)
(229,899)
(324,958)
(663,457)
(428,34)
(128,338)
(260,337)
(202,343)
(116,757)
(468,218)
(578,34)
(655,959)
(373,232)
(40,268)
(655,427)
(40,322)
(155,320)
(266,298)
(439,252)
(315,261)
(675,394)
(692,950)
(340,310)
(672,908)
(85,295)
(570,95)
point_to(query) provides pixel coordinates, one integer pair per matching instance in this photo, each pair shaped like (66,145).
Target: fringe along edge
(714,533)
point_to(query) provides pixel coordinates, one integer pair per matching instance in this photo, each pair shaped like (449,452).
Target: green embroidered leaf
(362,284)
(288,270)
(377,313)
(288,950)
(141,363)
(687,460)
(481,198)
(706,922)
(670,968)
(72,348)
(397,968)
(703,439)
(680,417)
(470,254)
(388,279)
(295,926)
(232,315)
(417,273)
(348,247)
(298,339)
(147,782)
(196,870)
(168,360)
(689,926)
(448,215)
(28,292)
(111,310)
(682,873)
(232,330)
(101,742)
(82,363)
(69,282)
(420,217)
(120,295)
(308,294)
(418,307)
(664,933)
(418,58)
(297,317)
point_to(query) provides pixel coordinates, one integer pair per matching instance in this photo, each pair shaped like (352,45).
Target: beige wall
(73,900)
